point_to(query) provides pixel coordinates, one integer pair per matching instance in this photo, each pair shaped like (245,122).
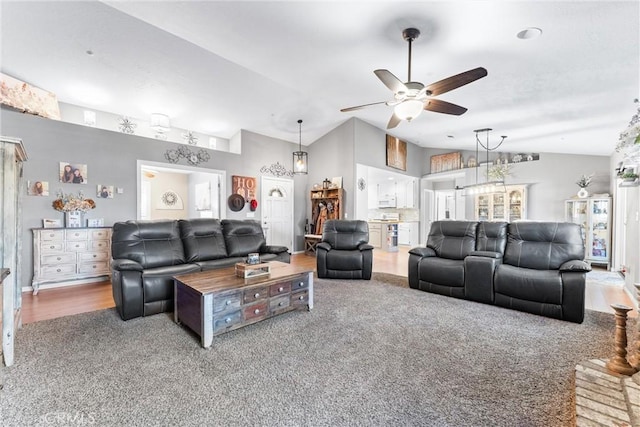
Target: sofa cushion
(452,239)
(442,271)
(202,239)
(345,235)
(242,236)
(344,260)
(543,286)
(492,236)
(543,245)
(149,243)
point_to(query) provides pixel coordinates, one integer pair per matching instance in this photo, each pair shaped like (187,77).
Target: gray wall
(111,158)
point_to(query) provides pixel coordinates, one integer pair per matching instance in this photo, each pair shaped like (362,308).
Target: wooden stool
(310,242)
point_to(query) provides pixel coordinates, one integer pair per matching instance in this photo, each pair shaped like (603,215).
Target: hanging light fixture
(495,186)
(409,109)
(300,158)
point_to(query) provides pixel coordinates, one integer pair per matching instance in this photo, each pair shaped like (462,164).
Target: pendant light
(495,186)
(300,158)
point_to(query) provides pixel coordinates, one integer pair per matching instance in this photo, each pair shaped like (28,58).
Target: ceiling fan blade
(393,121)
(357,107)
(391,81)
(456,81)
(443,107)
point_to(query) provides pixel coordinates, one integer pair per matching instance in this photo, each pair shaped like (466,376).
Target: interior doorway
(168,191)
(277,210)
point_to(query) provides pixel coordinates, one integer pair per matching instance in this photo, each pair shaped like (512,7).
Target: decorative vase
(583,193)
(74,219)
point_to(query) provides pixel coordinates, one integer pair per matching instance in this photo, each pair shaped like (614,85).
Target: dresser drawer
(253,311)
(300,298)
(62,258)
(52,235)
(94,267)
(94,256)
(58,270)
(280,288)
(77,235)
(52,246)
(302,283)
(227,301)
(99,244)
(76,246)
(255,294)
(100,234)
(278,303)
(226,320)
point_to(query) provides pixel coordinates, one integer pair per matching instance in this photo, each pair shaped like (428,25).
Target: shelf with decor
(326,203)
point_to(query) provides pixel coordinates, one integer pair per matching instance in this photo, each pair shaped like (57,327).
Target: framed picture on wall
(73,173)
(396,153)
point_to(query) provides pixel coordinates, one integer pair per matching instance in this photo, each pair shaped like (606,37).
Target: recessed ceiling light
(530,33)
(89,52)
(450,136)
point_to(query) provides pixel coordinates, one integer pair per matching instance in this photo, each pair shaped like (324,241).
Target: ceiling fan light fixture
(529,33)
(409,109)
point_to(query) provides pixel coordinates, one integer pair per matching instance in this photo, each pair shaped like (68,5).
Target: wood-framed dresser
(70,255)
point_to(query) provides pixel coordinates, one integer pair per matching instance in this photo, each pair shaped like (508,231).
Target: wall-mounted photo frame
(446,162)
(104,191)
(51,223)
(73,173)
(396,153)
(95,222)
(37,188)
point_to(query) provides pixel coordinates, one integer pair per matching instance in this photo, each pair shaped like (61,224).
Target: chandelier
(494,186)
(300,158)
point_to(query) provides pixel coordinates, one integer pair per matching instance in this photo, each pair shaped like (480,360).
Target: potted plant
(629,176)
(583,183)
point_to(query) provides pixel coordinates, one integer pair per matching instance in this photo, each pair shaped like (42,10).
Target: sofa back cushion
(345,234)
(543,245)
(452,239)
(149,243)
(242,236)
(492,236)
(202,239)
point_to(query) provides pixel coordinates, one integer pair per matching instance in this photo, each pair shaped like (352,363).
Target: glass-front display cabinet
(508,205)
(594,215)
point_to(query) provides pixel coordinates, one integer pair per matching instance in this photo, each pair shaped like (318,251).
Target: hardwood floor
(65,301)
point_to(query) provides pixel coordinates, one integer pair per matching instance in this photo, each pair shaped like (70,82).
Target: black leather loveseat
(147,254)
(535,267)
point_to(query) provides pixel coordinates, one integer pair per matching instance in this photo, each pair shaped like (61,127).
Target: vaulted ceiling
(219,66)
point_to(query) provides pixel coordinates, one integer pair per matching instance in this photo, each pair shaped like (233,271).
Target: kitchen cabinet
(375,234)
(510,205)
(406,193)
(408,233)
(594,216)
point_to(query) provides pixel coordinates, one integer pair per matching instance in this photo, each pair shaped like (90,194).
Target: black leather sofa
(147,254)
(535,267)
(344,251)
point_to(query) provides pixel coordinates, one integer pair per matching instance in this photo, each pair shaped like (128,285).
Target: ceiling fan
(411,98)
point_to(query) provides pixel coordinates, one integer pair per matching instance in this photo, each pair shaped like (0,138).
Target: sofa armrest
(124,264)
(271,249)
(486,254)
(365,247)
(422,252)
(324,246)
(575,266)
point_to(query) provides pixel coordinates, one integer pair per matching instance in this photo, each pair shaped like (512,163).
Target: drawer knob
(77,246)
(227,320)
(256,295)
(228,302)
(59,258)
(51,235)
(51,247)
(301,284)
(77,234)
(301,297)
(280,304)
(95,266)
(256,311)
(95,256)
(280,289)
(58,270)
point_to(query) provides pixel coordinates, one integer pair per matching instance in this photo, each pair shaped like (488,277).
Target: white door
(428,214)
(277,211)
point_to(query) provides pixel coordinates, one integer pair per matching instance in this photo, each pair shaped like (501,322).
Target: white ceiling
(217,67)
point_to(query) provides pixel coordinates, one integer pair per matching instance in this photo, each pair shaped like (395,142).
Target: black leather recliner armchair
(344,251)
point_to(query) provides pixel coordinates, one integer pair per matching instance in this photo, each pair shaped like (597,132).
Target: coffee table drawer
(300,298)
(302,283)
(226,320)
(255,294)
(227,301)
(280,288)
(255,310)
(278,303)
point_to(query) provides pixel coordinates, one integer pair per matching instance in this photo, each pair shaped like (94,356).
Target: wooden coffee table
(217,301)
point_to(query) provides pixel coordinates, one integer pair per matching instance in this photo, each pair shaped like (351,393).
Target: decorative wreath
(169,198)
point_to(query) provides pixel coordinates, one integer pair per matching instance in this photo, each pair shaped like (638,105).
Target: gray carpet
(368,354)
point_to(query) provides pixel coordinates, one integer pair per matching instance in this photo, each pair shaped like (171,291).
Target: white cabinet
(594,215)
(406,193)
(375,234)
(408,233)
(510,205)
(70,254)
